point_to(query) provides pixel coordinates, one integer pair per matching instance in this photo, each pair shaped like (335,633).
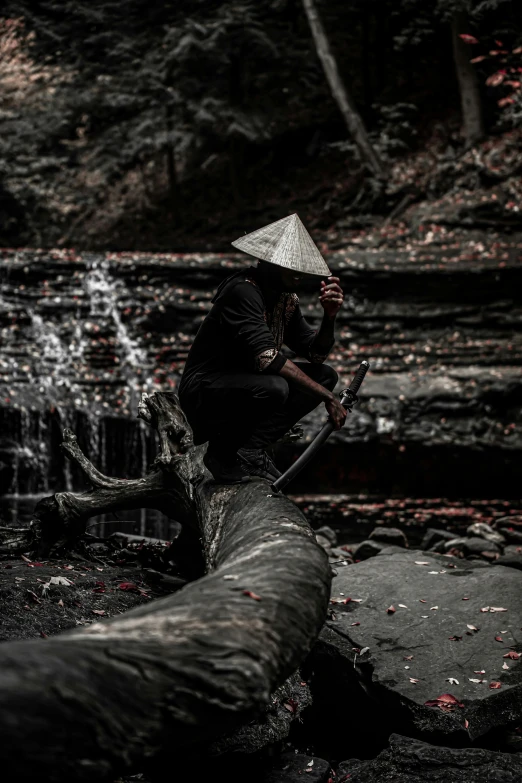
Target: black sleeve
(242,314)
(300,336)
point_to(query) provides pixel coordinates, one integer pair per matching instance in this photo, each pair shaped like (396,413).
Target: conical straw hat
(286,243)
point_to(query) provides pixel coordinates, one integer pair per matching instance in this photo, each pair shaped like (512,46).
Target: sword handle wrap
(359,377)
(349,396)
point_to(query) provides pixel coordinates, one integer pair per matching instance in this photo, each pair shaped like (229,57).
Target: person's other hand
(331,296)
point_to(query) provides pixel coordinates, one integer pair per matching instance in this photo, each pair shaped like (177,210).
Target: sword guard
(348,399)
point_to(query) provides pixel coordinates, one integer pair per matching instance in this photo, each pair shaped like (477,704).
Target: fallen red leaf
(98,611)
(252,595)
(447,702)
(455,638)
(391,609)
(498,639)
(513,655)
(469,39)
(495,685)
(128,586)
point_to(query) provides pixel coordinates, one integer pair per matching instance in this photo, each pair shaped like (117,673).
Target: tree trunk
(350,114)
(172,177)
(470,101)
(92,704)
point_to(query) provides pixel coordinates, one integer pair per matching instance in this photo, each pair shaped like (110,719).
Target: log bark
(470,101)
(92,704)
(340,94)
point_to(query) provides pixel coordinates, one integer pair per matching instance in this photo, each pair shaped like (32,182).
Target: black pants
(252,410)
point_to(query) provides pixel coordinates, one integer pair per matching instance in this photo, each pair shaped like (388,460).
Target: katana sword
(348,399)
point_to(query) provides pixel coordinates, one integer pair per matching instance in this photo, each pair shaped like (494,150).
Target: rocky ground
(417,669)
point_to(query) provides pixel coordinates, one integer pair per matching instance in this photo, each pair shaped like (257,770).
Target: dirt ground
(39,599)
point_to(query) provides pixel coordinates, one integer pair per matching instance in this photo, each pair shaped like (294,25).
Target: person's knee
(329,377)
(276,388)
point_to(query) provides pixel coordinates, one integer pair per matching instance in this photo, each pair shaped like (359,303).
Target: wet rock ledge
(440,320)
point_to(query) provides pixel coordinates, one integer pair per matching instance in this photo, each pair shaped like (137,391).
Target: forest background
(178,126)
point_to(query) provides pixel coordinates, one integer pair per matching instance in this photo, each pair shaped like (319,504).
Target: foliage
(114,116)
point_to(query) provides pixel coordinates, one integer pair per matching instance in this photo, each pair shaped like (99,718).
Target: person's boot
(256,462)
(225,468)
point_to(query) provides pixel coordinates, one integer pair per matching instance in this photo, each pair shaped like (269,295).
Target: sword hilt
(349,396)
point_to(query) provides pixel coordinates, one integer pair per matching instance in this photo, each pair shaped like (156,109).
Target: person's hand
(331,296)
(336,412)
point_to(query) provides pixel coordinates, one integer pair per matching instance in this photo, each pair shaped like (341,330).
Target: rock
(433,536)
(513,520)
(326,537)
(511,561)
(337,554)
(326,532)
(471,546)
(431,623)
(389,535)
(366,549)
(298,768)
(482,530)
(477,546)
(412,761)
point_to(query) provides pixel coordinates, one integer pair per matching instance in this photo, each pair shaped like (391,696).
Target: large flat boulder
(411,761)
(414,626)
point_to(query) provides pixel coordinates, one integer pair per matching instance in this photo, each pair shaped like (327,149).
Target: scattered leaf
(469,39)
(505,666)
(495,79)
(497,609)
(252,595)
(391,609)
(413,680)
(466,723)
(408,658)
(98,611)
(447,702)
(356,623)
(513,655)
(452,681)
(495,685)
(472,627)
(403,606)
(480,671)
(421,562)
(455,638)
(498,639)
(474,679)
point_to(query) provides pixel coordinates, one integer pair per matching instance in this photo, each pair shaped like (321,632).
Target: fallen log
(188,668)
